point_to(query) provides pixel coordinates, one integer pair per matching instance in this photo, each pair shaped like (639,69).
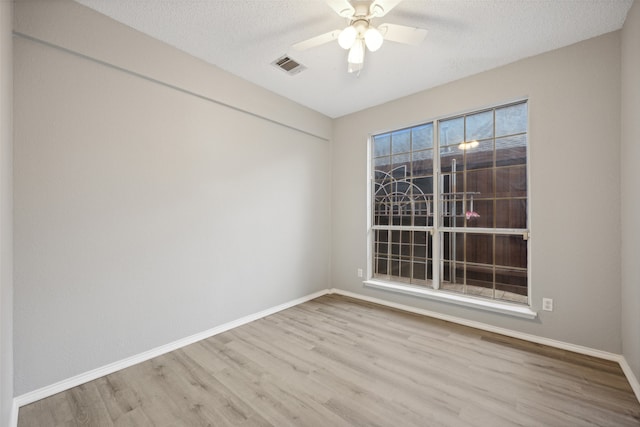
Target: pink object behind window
(472,214)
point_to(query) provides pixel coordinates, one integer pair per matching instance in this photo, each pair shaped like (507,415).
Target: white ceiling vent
(288,65)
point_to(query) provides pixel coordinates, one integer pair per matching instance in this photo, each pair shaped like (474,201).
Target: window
(449,205)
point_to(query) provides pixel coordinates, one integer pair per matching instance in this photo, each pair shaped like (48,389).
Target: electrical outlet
(547,304)
(360,273)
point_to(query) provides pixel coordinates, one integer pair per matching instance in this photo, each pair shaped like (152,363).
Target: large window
(449,204)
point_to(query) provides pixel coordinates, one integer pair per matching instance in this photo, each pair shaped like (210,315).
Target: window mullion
(435,231)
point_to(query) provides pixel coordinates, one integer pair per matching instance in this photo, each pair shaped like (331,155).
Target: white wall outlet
(547,304)
(359,272)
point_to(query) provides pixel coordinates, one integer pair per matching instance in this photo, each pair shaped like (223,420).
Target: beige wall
(146,213)
(6,210)
(574,104)
(77,28)
(630,178)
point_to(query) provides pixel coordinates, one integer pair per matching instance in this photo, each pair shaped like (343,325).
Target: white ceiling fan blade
(402,34)
(341,7)
(381,7)
(317,40)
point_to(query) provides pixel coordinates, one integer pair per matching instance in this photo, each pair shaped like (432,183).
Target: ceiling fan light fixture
(377,10)
(373,38)
(347,37)
(354,68)
(359,35)
(468,145)
(356,53)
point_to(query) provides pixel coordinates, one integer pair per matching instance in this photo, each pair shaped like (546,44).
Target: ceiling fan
(360,34)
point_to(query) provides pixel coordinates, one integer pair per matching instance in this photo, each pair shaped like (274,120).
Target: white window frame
(493,305)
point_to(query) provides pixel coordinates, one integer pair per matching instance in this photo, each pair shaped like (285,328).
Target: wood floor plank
(336,361)
(87,406)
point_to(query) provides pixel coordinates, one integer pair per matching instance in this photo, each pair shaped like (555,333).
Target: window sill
(458,299)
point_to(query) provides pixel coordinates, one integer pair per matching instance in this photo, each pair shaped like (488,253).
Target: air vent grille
(288,65)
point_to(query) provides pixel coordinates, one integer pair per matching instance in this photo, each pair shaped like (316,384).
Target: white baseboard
(485,327)
(63,385)
(633,381)
(13,416)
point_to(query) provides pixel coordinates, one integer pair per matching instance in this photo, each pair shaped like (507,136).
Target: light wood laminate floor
(335,361)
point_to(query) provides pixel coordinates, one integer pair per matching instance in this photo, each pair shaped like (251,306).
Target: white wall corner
(13,416)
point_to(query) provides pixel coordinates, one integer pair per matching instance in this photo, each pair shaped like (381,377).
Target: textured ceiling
(465,37)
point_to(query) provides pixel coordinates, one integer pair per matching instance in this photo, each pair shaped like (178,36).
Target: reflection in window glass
(422,162)
(381,145)
(511,120)
(401,141)
(450,158)
(511,150)
(422,137)
(479,126)
(451,131)
(480,156)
